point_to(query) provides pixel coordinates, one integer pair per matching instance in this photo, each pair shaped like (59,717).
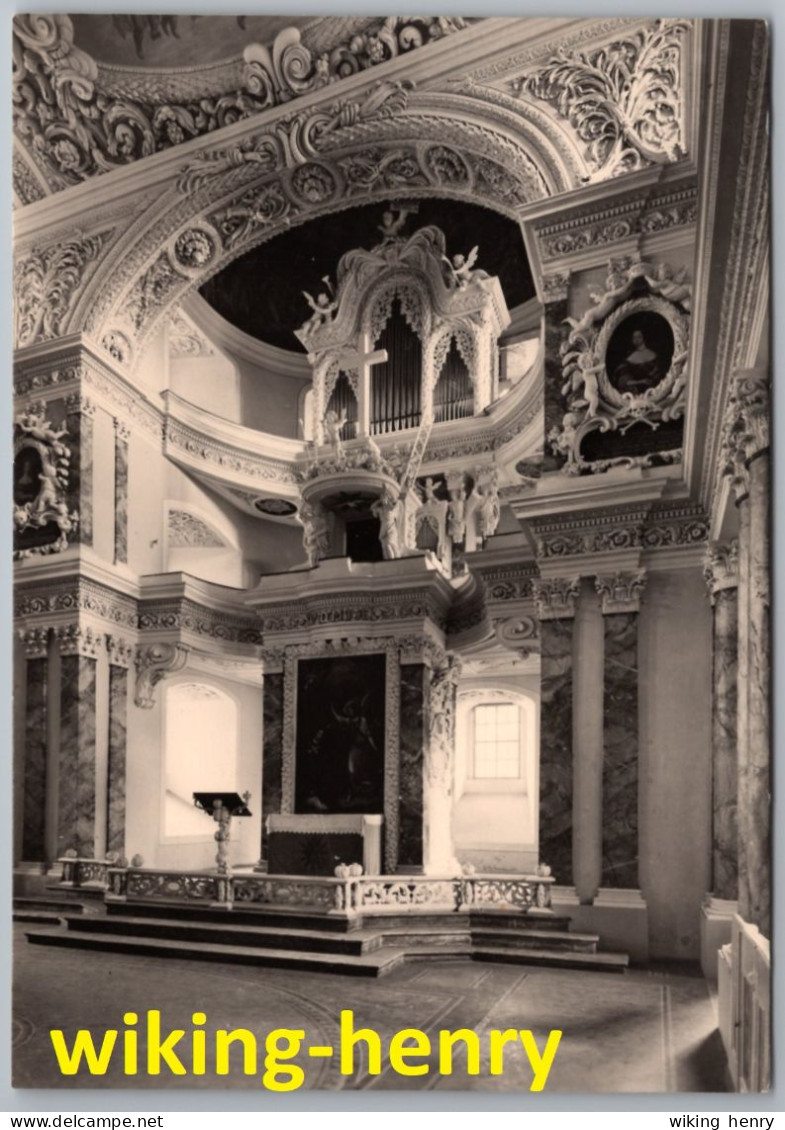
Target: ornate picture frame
(41,472)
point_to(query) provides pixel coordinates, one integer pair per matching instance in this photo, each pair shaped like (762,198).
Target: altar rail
(363,894)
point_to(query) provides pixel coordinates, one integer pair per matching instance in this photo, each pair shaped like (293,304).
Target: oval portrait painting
(639,352)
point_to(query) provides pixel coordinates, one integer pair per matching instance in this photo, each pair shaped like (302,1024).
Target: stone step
(239,915)
(515,920)
(558,959)
(359,965)
(40,917)
(227,933)
(69,906)
(535,939)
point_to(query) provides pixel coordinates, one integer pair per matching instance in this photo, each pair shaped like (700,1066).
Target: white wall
(145,783)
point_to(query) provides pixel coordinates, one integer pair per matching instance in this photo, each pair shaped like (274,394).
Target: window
(496,741)
(201,754)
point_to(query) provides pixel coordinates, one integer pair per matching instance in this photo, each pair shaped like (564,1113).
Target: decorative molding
(555,597)
(634,216)
(52,601)
(185,529)
(519,634)
(27,186)
(219,456)
(153,663)
(76,403)
(187,617)
(439,724)
(388,646)
(721,566)
(623,100)
(90,128)
(589,532)
(621,592)
(507,582)
(675,526)
(46,283)
(352,608)
(121,430)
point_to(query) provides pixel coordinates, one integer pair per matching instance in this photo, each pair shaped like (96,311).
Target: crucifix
(363,358)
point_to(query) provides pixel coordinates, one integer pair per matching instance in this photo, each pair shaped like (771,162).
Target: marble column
(121,436)
(721,573)
(554,294)
(79,421)
(120,653)
(439,728)
(621,594)
(76,809)
(272,747)
(412,734)
(555,598)
(35,759)
(587,745)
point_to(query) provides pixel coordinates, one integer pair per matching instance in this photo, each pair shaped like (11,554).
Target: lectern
(222,807)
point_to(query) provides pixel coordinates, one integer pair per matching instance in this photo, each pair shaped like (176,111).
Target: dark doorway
(362,539)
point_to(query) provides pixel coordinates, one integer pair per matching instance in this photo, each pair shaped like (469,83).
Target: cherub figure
(585,375)
(323,309)
(333,423)
(461,271)
(672,287)
(391,224)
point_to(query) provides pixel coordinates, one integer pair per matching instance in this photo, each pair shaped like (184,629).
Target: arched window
(200,754)
(496,747)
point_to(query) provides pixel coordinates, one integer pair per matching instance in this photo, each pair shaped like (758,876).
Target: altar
(315,843)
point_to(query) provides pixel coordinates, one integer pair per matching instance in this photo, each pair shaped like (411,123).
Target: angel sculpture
(391,224)
(333,423)
(670,286)
(585,374)
(461,271)
(323,309)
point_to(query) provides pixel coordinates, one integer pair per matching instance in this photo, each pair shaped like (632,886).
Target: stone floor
(646,1031)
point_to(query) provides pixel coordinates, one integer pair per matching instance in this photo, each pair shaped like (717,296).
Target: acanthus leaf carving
(46,282)
(621,592)
(624,100)
(555,597)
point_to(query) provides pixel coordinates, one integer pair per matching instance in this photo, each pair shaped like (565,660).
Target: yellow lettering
(68,1062)
(224,1039)
(497,1041)
(541,1064)
(447,1040)
(398,1051)
(293,1075)
(348,1040)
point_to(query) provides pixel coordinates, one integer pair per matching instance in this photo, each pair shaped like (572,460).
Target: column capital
(78,402)
(76,639)
(121,651)
(555,287)
(746,427)
(555,597)
(721,566)
(121,430)
(621,592)
(34,642)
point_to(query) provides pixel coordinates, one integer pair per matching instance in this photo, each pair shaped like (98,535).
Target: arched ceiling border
(134,255)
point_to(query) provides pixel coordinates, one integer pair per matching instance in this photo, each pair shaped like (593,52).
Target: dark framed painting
(340,731)
(639,352)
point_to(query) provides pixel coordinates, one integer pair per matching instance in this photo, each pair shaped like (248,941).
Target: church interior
(391,528)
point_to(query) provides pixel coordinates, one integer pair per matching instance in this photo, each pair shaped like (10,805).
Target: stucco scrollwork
(639,386)
(46,283)
(80,119)
(153,663)
(41,471)
(624,100)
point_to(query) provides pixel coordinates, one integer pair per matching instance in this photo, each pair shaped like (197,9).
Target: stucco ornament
(624,100)
(79,119)
(41,463)
(646,384)
(46,283)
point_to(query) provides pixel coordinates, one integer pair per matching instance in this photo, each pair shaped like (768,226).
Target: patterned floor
(647,1031)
